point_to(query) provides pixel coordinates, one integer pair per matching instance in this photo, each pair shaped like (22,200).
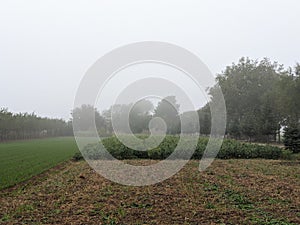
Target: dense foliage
(229,149)
(292,139)
(28,126)
(261,98)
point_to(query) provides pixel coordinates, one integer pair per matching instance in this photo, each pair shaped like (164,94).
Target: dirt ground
(229,192)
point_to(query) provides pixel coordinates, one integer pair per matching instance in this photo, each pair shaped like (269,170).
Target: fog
(46,47)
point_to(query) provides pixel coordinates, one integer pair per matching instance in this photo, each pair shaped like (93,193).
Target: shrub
(292,139)
(286,154)
(77,156)
(230,149)
(155,153)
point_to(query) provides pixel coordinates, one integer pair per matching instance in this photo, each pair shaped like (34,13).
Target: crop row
(183,145)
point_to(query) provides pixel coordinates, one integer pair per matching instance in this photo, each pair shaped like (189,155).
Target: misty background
(47,46)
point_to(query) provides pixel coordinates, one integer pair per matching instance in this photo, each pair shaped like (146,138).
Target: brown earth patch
(229,192)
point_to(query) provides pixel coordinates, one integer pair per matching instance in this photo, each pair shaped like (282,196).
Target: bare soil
(229,192)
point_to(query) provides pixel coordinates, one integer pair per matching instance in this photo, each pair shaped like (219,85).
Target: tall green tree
(86,117)
(168,110)
(205,120)
(248,89)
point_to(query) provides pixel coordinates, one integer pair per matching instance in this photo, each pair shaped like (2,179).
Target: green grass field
(23,159)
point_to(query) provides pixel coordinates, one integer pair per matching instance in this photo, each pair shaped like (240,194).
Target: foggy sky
(47,46)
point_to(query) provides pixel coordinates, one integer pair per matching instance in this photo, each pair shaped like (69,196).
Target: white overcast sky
(47,46)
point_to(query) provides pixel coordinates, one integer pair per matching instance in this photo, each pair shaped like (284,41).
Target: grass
(235,191)
(21,160)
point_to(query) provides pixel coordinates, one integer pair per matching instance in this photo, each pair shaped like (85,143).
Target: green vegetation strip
(21,160)
(230,149)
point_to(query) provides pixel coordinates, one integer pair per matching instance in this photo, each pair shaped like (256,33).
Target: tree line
(262,102)
(125,118)
(27,126)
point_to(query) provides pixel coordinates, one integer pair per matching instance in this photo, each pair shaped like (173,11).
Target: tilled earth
(228,192)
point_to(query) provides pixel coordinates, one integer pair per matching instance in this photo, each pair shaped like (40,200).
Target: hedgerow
(231,149)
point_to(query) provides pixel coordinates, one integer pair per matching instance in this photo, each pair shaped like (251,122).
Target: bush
(77,156)
(230,149)
(292,139)
(155,153)
(286,154)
